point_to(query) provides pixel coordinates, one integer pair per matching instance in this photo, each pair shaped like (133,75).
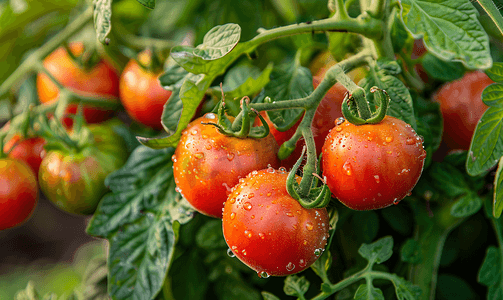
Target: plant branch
(493,13)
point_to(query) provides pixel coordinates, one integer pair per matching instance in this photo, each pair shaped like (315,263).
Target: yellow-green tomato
(75,180)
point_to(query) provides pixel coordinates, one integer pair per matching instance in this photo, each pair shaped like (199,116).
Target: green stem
(30,63)
(341,12)
(376,8)
(432,233)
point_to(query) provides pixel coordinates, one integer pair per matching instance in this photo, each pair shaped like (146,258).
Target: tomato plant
(18,192)
(99,79)
(462,107)
(207,164)
(141,94)
(270,231)
(74,179)
(30,150)
(372,166)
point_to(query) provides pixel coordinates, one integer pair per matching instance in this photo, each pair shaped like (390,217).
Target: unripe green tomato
(75,181)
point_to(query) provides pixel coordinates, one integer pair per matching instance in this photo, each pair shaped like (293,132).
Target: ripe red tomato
(18,192)
(462,107)
(30,150)
(207,164)
(268,230)
(142,95)
(102,79)
(327,112)
(372,166)
(74,180)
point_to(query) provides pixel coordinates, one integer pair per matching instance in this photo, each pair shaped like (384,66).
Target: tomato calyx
(356,109)
(241,127)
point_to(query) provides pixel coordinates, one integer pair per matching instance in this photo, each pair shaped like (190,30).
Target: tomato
(462,107)
(142,95)
(18,192)
(74,180)
(102,80)
(207,164)
(30,150)
(372,166)
(270,231)
(327,112)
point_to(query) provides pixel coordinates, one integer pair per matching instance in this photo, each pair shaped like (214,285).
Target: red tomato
(268,230)
(18,192)
(30,150)
(102,79)
(372,166)
(462,107)
(75,180)
(142,95)
(207,164)
(327,112)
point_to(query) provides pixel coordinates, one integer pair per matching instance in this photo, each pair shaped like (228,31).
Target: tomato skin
(207,164)
(102,79)
(30,150)
(462,107)
(74,181)
(18,192)
(268,230)
(142,95)
(372,166)
(327,112)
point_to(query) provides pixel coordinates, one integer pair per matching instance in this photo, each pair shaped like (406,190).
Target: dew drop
(230,253)
(268,194)
(204,136)
(282,169)
(208,147)
(233,215)
(289,214)
(389,139)
(302,263)
(261,235)
(270,169)
(263,274)
(309,226)
(252,216)
(290,267)
(248,233)
(230,156)
(247,206)
(173,158)
(244,252)
(377,179)
(347,168)
(210,116)
(318,251)
(338,129)
(193,131)
(396,201)
(251,195)
(178,190)
(199,155)
(410,141)
(232,200)
(339,121)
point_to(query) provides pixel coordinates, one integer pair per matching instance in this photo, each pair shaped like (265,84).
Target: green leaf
(398,218)
(498,191)
(269,296)
(296,286)
(230,288)
(179,110)
(368,292)
(441,69)
(448,179)
(490,271)
(189,278)
(429,125)
(450,29)
(404,289)
(365,225)
(411,252)
(147,3)
(487,142)
(453,287)
(102,19)
(493,95)
(245,80)
(322,264)
(467,205)
(172,76)
(29,293)
(496,72)
(94,281)
(218,42)
(342,43)
(401,38)
(289,81)
(210,236)
(377,252)
(383,75)
(139,218)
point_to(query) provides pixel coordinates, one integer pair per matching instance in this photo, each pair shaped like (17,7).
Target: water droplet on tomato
(252,216)
(268,194)
(230,253)
(396,201)
(339,121)
(173,158)
(410,141)
(261,235)
(248,233)
(318,251)
(232,200)
(247,206)
(204,136)
(377,179)
(289,214)
(233,215)
(309,226)
(251,195)
(244,252)
(193,131)
(270,169)
(263,274)
(208,147)
(230,156)
(255,172)
(338,129)
(347,168)
(302,263)
(389,139)
(290,266)
(199,155)
(210,116)
(282,170)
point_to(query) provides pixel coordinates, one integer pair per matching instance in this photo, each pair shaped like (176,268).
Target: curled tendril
(350,110)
